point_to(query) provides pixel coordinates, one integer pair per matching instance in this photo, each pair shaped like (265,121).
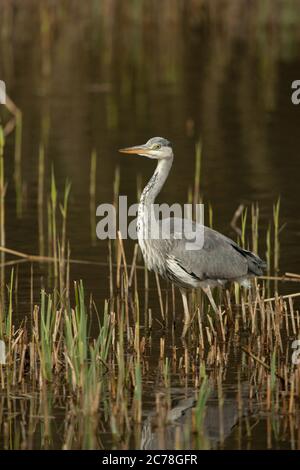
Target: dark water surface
(104,75)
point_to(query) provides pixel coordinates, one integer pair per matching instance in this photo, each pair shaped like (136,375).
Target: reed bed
(102,382)
(118,375)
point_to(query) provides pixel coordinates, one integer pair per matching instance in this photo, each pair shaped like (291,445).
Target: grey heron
(218,259)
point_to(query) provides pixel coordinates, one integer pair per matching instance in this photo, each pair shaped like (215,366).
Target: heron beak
(138,149)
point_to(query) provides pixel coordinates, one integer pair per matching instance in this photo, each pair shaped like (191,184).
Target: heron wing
(217,257)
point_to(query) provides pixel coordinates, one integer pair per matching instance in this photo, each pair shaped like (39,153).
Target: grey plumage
(218,260)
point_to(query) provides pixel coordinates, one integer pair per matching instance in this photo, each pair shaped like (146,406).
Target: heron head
(156,147)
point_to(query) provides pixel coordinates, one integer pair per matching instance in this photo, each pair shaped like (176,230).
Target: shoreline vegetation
(79,373)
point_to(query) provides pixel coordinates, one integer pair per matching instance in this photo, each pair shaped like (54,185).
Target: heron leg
(187,316)
(208,292)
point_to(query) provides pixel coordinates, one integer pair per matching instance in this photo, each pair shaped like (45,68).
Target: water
(103,76)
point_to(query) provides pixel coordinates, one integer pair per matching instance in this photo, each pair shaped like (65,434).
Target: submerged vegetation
(83,369)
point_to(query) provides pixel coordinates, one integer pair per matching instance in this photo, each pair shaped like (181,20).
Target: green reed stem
(41,185)
(93,171)
(53,213)
(276,212)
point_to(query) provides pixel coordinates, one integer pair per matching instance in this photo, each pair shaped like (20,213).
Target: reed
(276,213)
(243,228)
(18,160)
(92,189)
(200,408)
(63,256)
(40,202)
(198,158)
(255,226)
(2,224)
(52,216)
(210,216)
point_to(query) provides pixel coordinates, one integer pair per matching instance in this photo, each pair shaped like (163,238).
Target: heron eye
(156,146)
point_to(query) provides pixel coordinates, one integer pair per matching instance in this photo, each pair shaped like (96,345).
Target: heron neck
(156,182)
(146,223)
